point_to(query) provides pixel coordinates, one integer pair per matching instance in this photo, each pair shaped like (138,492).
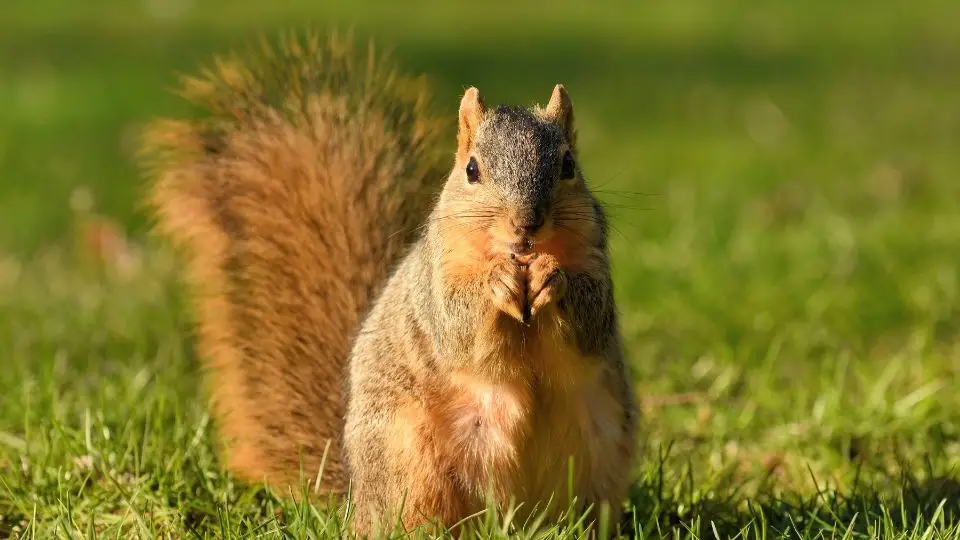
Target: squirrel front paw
(508,288)
(548,283)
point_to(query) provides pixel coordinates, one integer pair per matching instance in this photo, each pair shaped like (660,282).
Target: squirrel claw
(548,283)
(508,288)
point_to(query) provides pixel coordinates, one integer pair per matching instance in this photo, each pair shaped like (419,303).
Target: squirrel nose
(528,222)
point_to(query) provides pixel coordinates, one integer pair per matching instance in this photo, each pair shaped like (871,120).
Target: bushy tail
(293,194)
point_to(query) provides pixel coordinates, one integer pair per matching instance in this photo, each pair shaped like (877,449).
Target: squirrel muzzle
(525,228)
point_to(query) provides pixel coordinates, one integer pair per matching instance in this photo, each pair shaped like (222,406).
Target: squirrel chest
(516,434)
(525,403)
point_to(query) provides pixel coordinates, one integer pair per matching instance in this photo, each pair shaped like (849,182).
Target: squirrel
(429,335)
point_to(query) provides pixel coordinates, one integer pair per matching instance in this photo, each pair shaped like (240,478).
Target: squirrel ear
(472,110)
(560,112)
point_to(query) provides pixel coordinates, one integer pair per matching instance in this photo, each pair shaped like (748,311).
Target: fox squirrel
(430,351)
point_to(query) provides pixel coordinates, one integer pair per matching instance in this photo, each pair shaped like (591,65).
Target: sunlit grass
(783,185)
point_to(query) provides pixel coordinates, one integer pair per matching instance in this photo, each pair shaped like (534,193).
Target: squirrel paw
(508,288)
(548,283)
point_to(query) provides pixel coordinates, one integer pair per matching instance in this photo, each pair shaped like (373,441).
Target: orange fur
(569,250)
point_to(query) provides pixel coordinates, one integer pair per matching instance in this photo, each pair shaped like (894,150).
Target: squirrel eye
(473,171)
(567,166)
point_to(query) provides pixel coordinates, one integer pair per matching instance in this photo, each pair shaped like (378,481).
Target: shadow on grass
(864,512)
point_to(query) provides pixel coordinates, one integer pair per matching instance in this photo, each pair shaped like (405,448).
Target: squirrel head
(515,178)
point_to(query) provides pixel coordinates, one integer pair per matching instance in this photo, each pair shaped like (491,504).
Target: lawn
(785,194)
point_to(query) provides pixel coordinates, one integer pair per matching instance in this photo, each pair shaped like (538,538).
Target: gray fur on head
(521,154)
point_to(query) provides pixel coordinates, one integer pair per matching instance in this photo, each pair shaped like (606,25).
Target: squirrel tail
(292,195)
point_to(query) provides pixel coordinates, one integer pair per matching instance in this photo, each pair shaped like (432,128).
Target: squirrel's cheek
(564,246)
(481,243)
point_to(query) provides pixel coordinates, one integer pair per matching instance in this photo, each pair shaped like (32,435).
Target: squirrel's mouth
(521,247)
(517,243)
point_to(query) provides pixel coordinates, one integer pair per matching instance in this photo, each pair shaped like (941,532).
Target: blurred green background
(794,143)
(732,100)
(782,178)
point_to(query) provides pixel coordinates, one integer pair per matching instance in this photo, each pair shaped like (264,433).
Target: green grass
(785,193)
